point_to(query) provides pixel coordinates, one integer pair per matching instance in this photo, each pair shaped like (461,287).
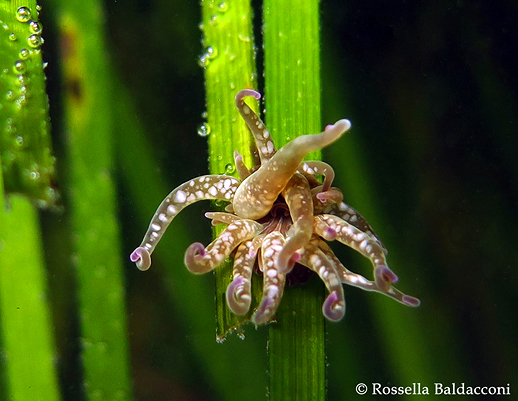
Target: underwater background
(430,161)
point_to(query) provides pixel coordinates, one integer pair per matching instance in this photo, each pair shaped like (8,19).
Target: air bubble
(9,95)
(24,54)
(35,27)
(204,115)
(35,41)
(204,130)
(214,20)
(12,37)
(23,14)
(222,7)
(19,67)
(229,168)
(19,141)
(209,54)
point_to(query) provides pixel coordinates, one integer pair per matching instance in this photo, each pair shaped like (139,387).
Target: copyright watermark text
(434,389)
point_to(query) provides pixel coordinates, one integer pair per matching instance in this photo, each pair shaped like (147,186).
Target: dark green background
(430,90)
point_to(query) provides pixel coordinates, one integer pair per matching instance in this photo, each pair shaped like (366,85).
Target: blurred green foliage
(431,162)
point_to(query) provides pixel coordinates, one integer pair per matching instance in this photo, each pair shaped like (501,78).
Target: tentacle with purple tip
(383,275)
(239,294)
(273,279)
(220,187)
(241,168)
(263,140)
(316,260)
(199,259)
(256,194)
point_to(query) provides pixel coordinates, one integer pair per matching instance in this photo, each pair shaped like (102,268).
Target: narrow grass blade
(93,208)
(28,164)
(26,334)
(228,60)
(292,96)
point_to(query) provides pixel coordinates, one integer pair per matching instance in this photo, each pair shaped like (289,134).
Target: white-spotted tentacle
(220,187)
(383,284)
(221,218)
(352,216)
(200,260)
(351,236)
(318,167)
(239,295)
(300,205)
(273,279)
(256,194)
(313,258)
(263,140)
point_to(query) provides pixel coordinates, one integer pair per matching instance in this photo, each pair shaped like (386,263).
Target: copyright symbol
(361,389)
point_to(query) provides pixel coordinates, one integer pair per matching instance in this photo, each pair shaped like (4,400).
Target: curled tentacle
(199,259)
(318,167)
(316,260)
(351,236)
(322,200)
(239,294)
(263,140)
(220,187)
(256,194)
(298,198)
(141,257)
(273,279)
(384,277)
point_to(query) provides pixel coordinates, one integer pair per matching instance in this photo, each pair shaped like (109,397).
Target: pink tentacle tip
(384,274)
(141,257)
(264,311)
(247,92)
(193,254)
(334,307)
(342,125)
(238,301)
(411,301)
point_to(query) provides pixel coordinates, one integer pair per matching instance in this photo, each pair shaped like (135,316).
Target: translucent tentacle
(318,167)
(316,260)
(256,194)
(383,275)
(263,140)
(239,294)
(199,259)
(322,200)
(273,279)
(351,236)
(221,218)
(242,170)
(351,216)
(298,198)
(220,187)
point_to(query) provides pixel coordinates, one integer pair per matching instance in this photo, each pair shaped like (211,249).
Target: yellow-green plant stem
(292,102)
(28,165)
(26,335)
(92,201)
(228,60)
